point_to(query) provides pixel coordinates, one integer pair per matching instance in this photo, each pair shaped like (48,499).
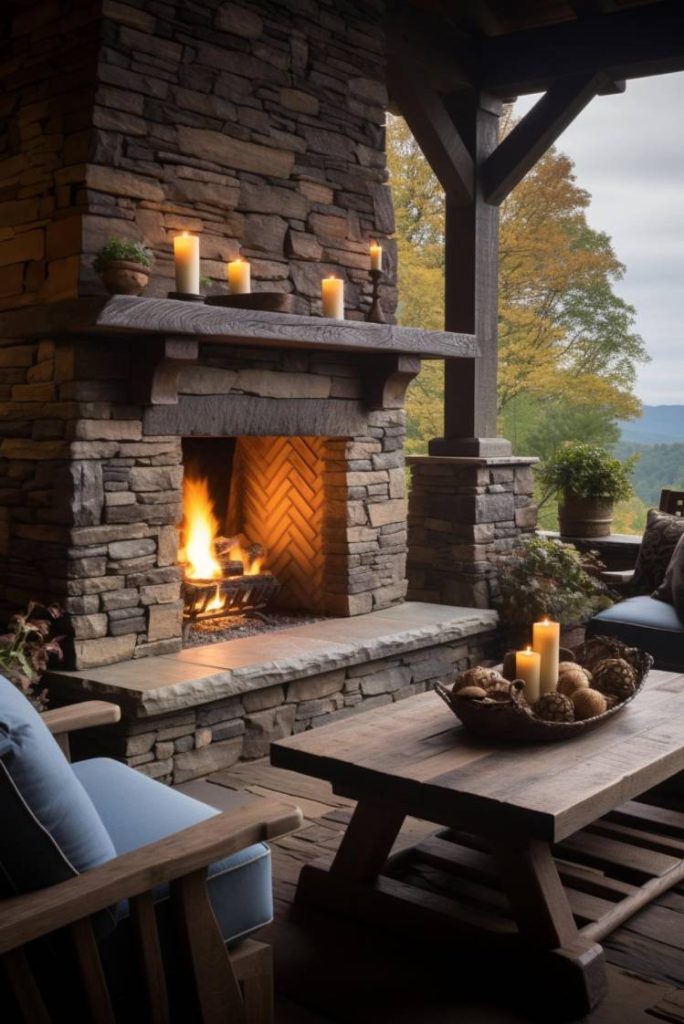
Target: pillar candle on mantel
(546,642)
(186,260)
(332,294)
(375,256)
(239,277)
(527,667)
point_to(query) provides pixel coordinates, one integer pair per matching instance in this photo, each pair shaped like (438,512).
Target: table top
(415,754)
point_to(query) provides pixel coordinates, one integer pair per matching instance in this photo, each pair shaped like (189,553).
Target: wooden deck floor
(333,970)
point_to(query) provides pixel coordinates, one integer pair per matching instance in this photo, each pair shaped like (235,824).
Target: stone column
(464,517)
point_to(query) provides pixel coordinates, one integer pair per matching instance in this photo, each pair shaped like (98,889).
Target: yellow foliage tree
(562,329)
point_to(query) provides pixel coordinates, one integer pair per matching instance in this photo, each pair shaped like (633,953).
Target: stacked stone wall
(464,517)
(259,126)
(90,484)
(48,57)
(187,744)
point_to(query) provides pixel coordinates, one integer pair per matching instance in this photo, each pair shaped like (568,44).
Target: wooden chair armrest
(618,578)
(29,917)
(81,716)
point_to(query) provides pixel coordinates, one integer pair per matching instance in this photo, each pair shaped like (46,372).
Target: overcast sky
(628,152)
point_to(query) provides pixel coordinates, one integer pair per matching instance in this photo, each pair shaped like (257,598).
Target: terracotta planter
(122,277)
(585,517)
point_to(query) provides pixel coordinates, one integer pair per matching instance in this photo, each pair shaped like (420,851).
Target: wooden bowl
(510,719)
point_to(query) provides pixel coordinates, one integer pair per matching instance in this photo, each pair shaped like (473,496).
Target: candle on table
(375,256)
(546,642)
(239,277)
(186,259)
(527,666)
(332,293)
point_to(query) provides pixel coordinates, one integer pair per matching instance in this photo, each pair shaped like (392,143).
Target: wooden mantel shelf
(124,315)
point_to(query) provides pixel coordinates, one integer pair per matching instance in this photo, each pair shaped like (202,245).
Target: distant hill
(659,424)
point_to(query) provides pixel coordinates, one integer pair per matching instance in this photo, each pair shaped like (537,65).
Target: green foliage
(122,249)
(579,470)
(545,577)
(659,465)
(26,647)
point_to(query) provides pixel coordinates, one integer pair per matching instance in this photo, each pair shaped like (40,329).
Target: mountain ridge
(658,424)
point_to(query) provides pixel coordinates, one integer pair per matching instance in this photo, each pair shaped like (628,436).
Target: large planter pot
(122,277)
(585,517)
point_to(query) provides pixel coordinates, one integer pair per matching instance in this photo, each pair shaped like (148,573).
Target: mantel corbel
(387,378)
(157,363)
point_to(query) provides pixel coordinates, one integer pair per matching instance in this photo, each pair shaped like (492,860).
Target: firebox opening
(251,539)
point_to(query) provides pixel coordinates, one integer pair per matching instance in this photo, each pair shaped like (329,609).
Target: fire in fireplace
(222,576)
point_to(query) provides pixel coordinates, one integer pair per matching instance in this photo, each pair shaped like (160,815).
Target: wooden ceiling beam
(517,153)
(433,129)
(630,43)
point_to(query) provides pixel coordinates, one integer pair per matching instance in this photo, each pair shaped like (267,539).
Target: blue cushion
(136,810)
(50,829)
(643,622)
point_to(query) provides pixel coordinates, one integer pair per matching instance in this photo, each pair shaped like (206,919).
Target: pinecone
(554,707)
(615,676)
(478,676)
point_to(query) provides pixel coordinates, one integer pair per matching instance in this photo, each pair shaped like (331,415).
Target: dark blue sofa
(647,623)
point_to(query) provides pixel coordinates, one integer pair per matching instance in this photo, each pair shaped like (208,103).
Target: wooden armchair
(671,502)
(228,984)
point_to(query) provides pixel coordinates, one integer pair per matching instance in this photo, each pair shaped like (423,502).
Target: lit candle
(239,277)
(527,668)
(375,256)
(546,642)
(332,293)
(186,259)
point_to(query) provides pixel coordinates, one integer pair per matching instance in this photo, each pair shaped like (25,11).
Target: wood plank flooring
(329,969)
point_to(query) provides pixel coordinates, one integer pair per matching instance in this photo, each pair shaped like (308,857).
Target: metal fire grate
(240,595)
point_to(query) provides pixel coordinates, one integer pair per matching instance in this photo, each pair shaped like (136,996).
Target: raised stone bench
(204,708)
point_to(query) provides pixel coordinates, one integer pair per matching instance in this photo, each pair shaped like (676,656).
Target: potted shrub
(124,266)
(544,577)
(26,647)
(588,482)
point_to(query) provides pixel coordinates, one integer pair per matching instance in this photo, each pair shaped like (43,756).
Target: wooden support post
(471,272)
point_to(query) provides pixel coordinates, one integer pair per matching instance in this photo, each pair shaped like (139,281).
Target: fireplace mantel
(126,315)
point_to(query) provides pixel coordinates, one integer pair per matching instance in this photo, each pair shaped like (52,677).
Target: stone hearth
(201,710)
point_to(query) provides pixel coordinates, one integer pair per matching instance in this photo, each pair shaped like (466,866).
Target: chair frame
(235,985)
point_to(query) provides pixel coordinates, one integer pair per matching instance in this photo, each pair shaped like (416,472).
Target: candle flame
(528,649)
(331,277)
(184,234)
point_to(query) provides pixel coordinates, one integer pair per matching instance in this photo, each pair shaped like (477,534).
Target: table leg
(542,913)
(360,858)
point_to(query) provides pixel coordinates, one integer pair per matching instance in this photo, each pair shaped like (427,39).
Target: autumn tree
(567,348)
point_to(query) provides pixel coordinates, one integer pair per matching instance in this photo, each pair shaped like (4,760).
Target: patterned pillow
(660,539)
(672,587)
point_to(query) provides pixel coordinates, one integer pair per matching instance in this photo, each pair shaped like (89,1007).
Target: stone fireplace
(300,451)
(259,128)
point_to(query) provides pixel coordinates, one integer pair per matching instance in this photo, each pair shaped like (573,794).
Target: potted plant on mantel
(124,266)
(588,482)
(544,577)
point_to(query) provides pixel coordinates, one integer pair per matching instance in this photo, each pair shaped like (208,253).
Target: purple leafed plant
(26,647)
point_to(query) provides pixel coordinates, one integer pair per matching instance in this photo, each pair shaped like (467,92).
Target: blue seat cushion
(50,830)
(654,626)
(136,811)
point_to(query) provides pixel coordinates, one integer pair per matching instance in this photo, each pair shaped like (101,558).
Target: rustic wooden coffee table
(543,842)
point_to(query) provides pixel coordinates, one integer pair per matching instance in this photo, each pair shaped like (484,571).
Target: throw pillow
(672,587)
(50,830)
(660,539)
